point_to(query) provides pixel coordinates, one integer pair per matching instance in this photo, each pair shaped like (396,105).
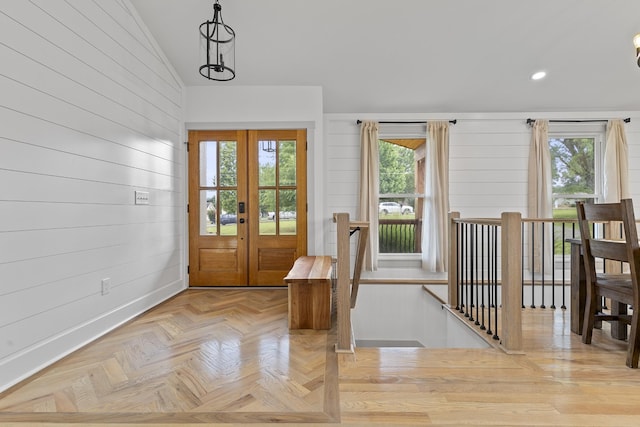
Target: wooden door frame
(265,278)
(305,180)
(193,182)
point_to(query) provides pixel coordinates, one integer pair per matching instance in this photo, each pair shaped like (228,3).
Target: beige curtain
(540,195)
(616,163)
(436,198)
(369,189)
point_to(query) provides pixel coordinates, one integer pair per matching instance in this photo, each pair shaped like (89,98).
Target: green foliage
(266,228)
(397,168)
(572,165)
(228,174)
(287,227)
(397,176)
(286,176)
(565,213)
(271,194)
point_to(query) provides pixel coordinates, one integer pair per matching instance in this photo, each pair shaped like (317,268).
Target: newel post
(453,259)
(343,296)
(511,273)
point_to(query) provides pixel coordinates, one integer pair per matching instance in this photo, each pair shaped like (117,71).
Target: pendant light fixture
(218,44)
(636,43)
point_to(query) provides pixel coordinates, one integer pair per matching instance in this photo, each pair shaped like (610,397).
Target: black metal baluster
(495,272)
(484,274)
(564,267)
(553,265)
(468,300)
(458,267)
(542,269)
(491,282)
(472,271)
(477,270)
(463,270)
(533,265)
(523,231)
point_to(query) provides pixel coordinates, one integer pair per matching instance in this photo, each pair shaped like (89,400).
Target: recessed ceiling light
(539,75)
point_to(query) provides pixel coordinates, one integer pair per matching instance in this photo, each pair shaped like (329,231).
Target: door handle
(241,207)
(241,220)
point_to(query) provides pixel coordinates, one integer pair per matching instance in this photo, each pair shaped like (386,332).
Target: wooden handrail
(363,236)
(479,221)
(510,281)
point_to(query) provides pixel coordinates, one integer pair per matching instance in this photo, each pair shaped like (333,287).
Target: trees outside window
(397,169)
(398,204)
(576,172)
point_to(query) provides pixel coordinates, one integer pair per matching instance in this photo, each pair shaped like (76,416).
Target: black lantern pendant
(220,47)
(636,43)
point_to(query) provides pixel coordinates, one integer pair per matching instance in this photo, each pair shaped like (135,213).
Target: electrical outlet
(106,286)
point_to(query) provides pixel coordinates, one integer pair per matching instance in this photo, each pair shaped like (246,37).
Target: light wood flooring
(213,357)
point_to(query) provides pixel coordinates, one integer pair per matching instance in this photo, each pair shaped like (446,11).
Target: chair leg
(589,317)
(633,352)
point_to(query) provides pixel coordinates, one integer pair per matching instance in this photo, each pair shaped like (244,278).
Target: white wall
(408,313)
(259,107)
(90,111)
(488,160)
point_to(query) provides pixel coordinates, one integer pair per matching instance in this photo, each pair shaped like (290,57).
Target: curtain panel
(540,193)
(616,163)
(436,198)
(539,183)
(369,189)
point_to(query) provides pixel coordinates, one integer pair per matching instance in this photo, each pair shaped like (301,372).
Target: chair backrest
(627,250)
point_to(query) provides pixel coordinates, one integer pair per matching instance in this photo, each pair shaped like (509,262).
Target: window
(576,161)
(399,204)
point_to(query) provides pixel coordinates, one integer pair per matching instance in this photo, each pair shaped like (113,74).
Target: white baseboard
(28,362)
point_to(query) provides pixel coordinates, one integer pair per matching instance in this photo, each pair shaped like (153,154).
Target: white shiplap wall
(488,161)
(90,111)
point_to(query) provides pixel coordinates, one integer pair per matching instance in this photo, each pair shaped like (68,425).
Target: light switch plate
(142,197)
(106,286)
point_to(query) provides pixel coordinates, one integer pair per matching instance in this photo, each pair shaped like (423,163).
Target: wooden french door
(247,206)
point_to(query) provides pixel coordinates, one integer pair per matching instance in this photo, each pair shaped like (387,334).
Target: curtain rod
(453,122)
(531,121)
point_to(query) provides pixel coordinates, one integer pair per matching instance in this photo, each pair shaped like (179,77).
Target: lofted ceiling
(420,56)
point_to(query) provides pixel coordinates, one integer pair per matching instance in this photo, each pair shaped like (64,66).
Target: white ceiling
(420,56)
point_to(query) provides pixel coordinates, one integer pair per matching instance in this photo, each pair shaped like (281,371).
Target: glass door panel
(217,183)
(280,160)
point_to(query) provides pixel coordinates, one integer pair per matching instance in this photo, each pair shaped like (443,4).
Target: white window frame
(390,131)
(584,130)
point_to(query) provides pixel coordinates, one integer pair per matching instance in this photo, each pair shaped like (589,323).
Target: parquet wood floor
(212,357)
(204,356)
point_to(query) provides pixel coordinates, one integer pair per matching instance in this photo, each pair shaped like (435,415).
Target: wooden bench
(309,283)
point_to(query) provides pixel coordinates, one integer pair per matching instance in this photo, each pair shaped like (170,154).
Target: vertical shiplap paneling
(90,113)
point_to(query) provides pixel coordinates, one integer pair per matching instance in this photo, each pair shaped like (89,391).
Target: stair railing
(346,289)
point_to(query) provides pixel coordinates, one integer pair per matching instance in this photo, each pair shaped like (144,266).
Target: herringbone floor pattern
(206,356)
(227,357)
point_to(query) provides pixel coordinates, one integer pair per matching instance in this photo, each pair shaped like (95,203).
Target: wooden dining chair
(622,288)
